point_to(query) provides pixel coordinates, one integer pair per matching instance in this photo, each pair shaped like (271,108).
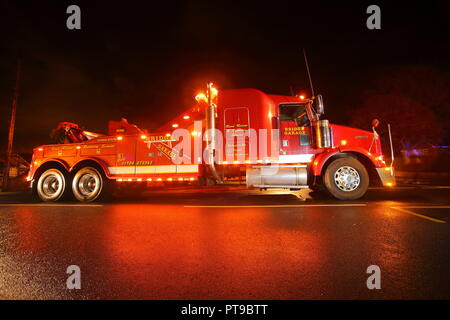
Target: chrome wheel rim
(88,184)
(51,185)
(347,178)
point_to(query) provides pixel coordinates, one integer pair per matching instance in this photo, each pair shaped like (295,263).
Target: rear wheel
(346,179)
(53,185)
(89,185)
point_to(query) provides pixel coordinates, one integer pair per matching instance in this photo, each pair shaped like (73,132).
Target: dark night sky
(145,61)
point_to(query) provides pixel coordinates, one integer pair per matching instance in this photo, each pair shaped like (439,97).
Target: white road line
(402,209)
(48,205)
(426,207)
(286,206)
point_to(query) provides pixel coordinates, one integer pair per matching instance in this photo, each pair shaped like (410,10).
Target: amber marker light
(119,180)
(201,97)
(120,138)
(149,179)
(139,179)
(389,184)
(186,117)
(130,179)
(192,179)
(175,125)
(143,137)
(343,142)
(169,179)
(78,147)
(302,97)
(214,92)
(40,149)
(159,179)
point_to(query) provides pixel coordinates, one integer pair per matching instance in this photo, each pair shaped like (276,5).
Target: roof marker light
(186,117)
(143,137)
(120,138)
(175,125)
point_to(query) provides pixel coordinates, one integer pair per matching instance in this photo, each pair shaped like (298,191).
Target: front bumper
(387,176)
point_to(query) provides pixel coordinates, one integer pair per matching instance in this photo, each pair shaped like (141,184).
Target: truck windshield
(294,112)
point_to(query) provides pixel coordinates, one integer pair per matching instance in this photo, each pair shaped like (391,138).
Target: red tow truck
(270,141)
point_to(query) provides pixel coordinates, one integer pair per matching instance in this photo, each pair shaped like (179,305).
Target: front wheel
(89,185)
(346,179)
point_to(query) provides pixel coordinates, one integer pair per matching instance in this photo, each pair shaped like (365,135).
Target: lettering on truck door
(237,125)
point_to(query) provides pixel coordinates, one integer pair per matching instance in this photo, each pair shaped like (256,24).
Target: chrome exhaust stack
(210,137)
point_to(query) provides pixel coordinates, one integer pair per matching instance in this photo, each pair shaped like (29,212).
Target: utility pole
(12,123)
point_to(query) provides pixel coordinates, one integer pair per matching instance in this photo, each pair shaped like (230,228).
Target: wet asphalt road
(228,243)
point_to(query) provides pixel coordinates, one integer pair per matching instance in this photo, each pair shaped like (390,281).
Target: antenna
(309,74)
(292,91)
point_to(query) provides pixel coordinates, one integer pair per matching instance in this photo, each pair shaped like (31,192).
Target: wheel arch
(50,164)
(322,165)
(98,164)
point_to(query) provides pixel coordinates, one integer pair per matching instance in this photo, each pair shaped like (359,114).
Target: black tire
(346,179)
(53,185)
(90,184)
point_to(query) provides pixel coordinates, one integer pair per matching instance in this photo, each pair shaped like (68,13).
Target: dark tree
(413,124)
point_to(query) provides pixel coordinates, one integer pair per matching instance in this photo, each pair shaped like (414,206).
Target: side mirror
(375,123)
(319,105)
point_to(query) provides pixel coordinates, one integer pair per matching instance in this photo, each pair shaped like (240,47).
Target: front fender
(321,159)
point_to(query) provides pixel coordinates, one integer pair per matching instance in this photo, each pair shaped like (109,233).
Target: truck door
(237,124)
(295,134)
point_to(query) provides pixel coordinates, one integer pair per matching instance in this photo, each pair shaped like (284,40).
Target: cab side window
(294,112)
